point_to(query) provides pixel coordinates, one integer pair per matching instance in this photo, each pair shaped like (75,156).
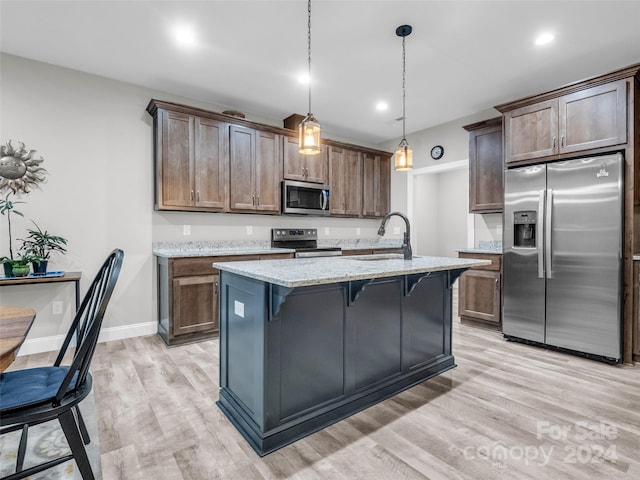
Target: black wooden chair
(37,395)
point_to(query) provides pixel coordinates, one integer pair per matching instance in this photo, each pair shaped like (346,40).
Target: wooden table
(15,323)
(67,277)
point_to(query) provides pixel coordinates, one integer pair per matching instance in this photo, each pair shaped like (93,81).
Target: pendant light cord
(403,87)
(309,50)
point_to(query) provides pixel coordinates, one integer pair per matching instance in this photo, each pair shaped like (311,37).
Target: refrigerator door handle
(547,231)
(539,233)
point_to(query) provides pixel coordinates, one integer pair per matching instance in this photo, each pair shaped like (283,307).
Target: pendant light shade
(309,132)
(403,156)
(309,129)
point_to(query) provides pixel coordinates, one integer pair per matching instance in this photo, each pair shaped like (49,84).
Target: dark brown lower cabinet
(636,309)
(188,296)
(480,290)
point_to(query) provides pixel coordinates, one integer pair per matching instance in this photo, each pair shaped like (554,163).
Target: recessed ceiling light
(544,38)
(382,106)
(303,78)
(184,35)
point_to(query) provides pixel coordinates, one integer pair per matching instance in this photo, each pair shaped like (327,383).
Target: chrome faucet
(406,243)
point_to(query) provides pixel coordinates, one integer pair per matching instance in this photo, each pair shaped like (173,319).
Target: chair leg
(22,447)
(70,429)
(83,428)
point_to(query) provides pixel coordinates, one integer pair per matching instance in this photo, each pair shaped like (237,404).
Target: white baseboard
(53,343)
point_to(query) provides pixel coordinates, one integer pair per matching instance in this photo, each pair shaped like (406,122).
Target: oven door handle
(325,253)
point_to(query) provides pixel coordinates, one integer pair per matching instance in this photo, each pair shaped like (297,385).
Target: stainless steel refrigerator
(563,236)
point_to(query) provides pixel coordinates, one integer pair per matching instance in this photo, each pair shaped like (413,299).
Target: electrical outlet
(56,307)
(499,229)
(249,230)
(186,230)
(396,230)
(326,230)
(357,232)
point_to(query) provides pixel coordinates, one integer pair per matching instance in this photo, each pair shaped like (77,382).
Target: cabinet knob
(198,195)
(554,142)
(253,199)
(258,200)
(191,195)
(562,141)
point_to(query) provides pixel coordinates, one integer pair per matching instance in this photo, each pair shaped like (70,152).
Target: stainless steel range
(303,240)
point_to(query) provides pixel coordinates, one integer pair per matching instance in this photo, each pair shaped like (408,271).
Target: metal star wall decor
(19,171)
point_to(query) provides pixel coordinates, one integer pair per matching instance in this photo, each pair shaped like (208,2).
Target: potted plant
(6,208)
(18,267)
(39,245)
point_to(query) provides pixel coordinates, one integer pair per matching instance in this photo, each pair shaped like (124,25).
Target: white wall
(97,142)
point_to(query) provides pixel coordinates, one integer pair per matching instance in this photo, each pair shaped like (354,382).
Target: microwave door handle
(324,199)
(539,234)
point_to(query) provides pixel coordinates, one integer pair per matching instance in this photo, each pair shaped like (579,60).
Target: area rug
(47,442)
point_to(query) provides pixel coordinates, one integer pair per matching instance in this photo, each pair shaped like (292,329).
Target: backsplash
(490,245)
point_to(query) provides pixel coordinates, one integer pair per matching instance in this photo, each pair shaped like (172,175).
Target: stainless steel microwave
(305,198)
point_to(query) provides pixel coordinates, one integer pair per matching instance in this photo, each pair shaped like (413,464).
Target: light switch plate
(186,230)
(249,230)
(357,232)
(396,230)
(326,230)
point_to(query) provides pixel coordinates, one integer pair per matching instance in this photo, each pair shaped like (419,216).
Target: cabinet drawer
(184,267)
(495,258)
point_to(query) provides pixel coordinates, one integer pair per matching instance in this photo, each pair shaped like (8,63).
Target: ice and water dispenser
(524,229)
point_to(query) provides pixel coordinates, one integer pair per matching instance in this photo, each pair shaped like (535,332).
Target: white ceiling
(462,57)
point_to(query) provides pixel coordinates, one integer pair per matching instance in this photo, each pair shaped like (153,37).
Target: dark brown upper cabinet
(486,166)
(376,181)
(254,170)
(303,168)
(345,173)
(583,120)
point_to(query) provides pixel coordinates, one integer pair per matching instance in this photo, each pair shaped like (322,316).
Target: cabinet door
(636,314)
(294,161)
(594,118)
(376,179)
(353,183)
(268,168)
(316,167)
(210,164)
(337,199)
(242,154)
(485,170)
(177,161)
(195,304)
(531,131)
(370,178)
(479,296)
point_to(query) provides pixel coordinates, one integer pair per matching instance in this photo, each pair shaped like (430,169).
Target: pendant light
(309,129)
(403,156)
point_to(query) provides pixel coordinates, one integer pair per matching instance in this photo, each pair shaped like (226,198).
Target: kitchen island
(307,342)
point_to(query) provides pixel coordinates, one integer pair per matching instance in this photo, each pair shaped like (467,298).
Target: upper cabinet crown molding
(621,74)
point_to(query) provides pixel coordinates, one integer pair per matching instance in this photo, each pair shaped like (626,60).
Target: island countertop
(301,272)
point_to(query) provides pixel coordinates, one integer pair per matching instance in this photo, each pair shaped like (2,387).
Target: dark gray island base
(294,360)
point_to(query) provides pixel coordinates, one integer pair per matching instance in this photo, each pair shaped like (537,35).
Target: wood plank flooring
(508,411)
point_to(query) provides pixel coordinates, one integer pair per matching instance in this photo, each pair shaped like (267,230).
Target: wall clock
(437,152)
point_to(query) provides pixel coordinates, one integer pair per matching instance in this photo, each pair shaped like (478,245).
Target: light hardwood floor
(507,411)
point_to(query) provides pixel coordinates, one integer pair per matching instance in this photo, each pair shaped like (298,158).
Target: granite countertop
(301,272)
(493,247)
(219,248)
